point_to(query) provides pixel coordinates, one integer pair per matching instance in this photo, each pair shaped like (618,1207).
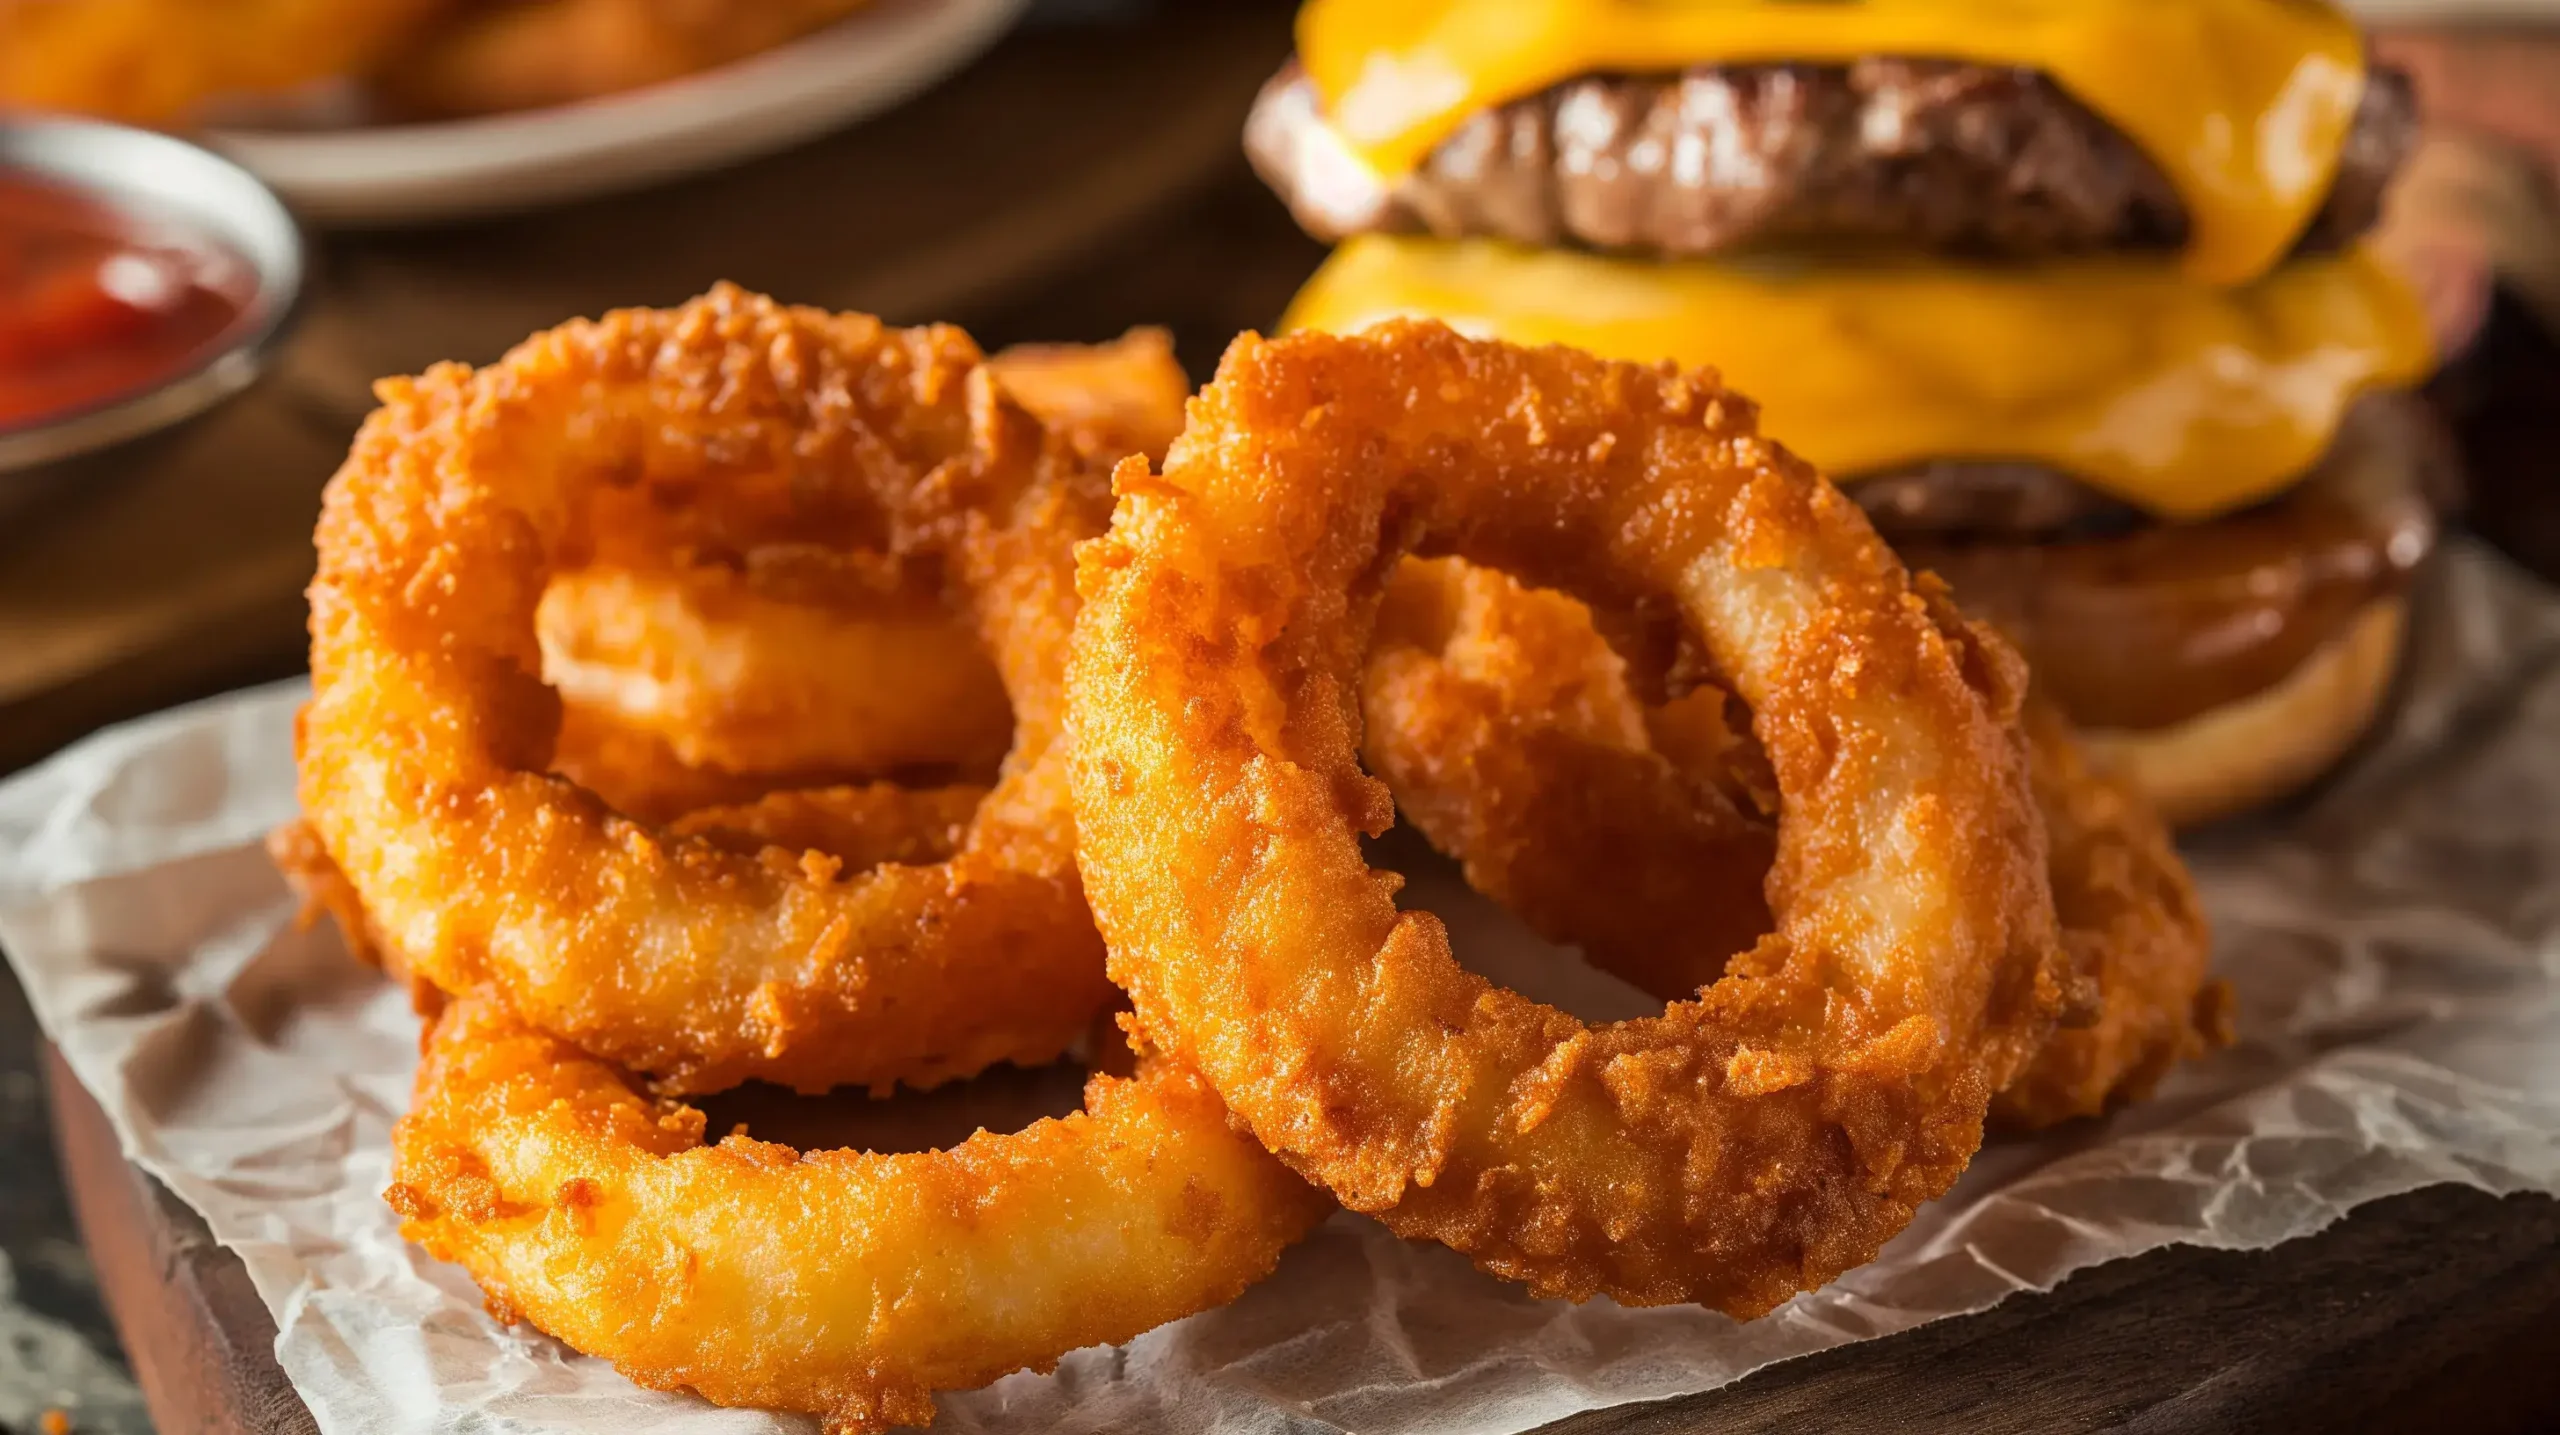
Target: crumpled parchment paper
(2393,945)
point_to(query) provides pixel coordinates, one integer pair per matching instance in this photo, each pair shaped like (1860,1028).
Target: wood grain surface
(201,1342)
(2429,1311)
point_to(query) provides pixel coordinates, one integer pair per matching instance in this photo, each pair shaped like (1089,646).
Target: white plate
(397,174)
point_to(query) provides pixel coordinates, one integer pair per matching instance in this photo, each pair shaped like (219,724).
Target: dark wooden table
(2439,1309)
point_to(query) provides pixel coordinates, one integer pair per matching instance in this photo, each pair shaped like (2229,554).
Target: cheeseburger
(2068,294)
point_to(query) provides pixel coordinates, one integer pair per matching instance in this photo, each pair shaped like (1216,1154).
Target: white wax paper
(2393,946)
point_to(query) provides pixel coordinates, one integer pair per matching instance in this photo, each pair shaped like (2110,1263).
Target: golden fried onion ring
(860,826)
(1738,1148)
(640,776)
(1512,738)
(1505,727)
(733,678)
(840,1283)
(742,664)
(2132,921)
(424,749)
(1110,400)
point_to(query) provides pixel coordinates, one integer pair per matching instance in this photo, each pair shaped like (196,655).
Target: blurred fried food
(1110,400)
(514,55)
(160,62)
(169,62)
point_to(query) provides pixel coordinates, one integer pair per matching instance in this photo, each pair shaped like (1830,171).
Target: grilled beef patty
(1946,155)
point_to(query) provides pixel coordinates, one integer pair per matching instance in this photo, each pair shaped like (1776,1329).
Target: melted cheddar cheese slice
(2243,104)
(2184,399)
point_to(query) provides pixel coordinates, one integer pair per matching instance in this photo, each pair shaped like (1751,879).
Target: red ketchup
(97,303)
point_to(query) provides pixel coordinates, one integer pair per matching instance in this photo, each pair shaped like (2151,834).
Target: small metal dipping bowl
(152,177)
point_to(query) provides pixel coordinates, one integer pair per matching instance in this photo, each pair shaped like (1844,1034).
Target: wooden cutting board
(2430,1311)
(1011,198)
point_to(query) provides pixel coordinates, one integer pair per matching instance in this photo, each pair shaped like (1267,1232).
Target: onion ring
(424,747)
(2130,915)
(861,826)
(304,861)
(870,825)
(1511,736)
(1110,400)
(734,679)
(741,659)
(1505,726)
(638,775)
(1738,1148)
(840,1283)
